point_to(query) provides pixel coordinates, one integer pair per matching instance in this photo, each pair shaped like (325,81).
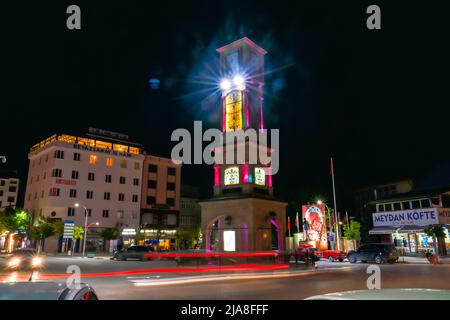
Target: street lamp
(85,225)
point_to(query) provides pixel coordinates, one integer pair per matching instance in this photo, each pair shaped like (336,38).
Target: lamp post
(85,226)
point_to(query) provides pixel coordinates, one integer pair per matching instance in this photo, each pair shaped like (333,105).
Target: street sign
(68,229)
(331,236)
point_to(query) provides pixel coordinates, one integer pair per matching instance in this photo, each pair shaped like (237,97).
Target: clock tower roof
(242,43)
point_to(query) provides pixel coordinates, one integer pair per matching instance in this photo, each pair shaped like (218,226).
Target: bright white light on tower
(238,80)
(225,84)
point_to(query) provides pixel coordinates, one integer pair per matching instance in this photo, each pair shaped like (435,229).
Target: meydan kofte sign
(317,226)
(413,217)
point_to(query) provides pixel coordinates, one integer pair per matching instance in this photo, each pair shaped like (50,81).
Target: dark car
(377,252)
(26,258)
(133,252)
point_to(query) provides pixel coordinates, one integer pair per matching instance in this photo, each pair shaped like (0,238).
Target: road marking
(208,278)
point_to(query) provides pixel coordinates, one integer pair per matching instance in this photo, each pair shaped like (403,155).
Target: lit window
(123,163)
(260,176)
(92,159)
(109,162)
(120,148)
(231,176)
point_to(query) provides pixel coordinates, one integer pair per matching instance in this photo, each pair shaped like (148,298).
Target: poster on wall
(231,176)
(317,225)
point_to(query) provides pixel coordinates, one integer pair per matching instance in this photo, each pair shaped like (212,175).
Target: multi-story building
(160,202)
(190,210)
(9,189)
(101,172)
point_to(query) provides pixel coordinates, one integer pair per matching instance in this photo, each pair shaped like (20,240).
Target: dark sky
(377,101)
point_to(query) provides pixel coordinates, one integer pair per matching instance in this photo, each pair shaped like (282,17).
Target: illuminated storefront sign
(231,176)
(229,240)
(260,176)
(417,217)
(129,232)
(317,227)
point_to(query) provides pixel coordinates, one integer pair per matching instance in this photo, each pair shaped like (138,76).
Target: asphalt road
(296,283)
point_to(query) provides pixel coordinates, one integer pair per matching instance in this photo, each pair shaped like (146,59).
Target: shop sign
(444,215)
(67,182)
(129,232)
(414,217)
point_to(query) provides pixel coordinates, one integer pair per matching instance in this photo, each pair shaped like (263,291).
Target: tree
(41,231)
(109,234)
(58,227)
(438,235)
(13,220)
(353,231)
(187,237)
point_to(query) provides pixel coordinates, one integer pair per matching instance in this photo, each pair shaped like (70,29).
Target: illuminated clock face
(231,176)
(233,110)
(260,176)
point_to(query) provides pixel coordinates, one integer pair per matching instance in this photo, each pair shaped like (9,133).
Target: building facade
(102,172)
(160,202)
(189,208)
(402,219)
(9,189)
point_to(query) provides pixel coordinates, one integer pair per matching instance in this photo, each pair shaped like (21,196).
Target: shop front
(405,229)
(160,240)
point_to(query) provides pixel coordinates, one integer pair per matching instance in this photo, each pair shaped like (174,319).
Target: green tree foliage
(78,232)
(110,234)
(13,220)
(352,232)
(42,230)
(435,231)
(187,237)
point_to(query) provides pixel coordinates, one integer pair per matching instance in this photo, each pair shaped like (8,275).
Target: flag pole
(335,207)
(289,226)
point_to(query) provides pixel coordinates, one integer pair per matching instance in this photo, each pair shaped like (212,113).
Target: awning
(384,230)
(399,229)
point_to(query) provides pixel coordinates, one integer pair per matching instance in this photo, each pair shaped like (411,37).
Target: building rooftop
(93,140)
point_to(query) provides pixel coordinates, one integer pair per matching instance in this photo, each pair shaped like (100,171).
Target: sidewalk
(418,260)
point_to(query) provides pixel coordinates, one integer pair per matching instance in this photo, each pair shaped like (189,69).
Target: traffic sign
(331,236)
(68,229)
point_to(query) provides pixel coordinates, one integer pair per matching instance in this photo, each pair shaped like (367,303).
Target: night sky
(377,101)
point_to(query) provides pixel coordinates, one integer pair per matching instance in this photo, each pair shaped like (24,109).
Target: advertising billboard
(316,225)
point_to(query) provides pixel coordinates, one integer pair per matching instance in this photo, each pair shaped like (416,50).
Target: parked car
(333,255)
(377,252)
(26,258)
(133,252)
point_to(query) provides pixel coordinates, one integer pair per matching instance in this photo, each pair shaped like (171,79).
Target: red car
(333,255)
(304,250)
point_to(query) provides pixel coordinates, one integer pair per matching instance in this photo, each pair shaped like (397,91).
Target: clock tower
(243,215)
